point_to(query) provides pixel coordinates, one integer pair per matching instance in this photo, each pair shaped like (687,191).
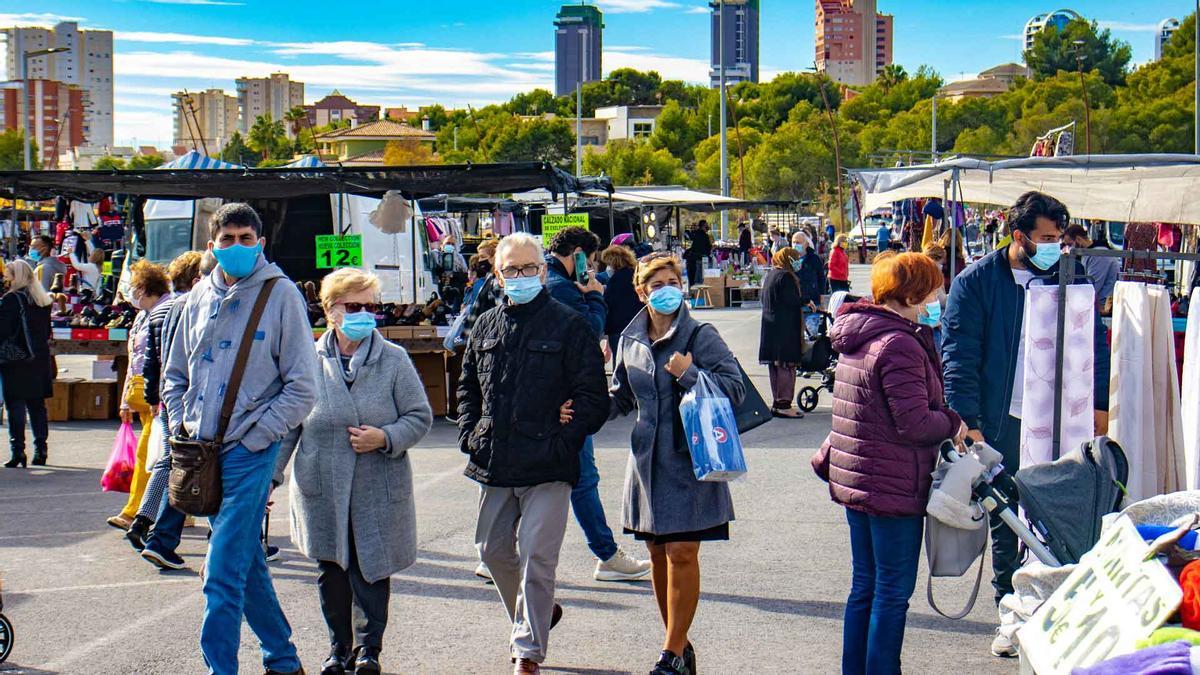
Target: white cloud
(698,10)
(670,67)
(635,6)
(144,126)
(181,38)
(1012,36)
(1129,27)
(34,19)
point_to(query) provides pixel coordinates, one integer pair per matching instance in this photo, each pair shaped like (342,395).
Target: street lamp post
(724,142)
(1196,94)
(25,94)
(1087,108)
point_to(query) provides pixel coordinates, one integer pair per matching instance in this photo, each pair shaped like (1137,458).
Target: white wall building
(272,96)
(205,120)
(88,65)
(635,122)
(1059,18)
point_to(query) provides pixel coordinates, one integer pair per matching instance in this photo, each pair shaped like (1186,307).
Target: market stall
(352,234)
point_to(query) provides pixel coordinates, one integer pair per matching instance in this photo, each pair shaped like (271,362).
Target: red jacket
(839,265)
(889,413)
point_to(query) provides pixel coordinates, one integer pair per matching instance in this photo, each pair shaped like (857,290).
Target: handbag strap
(243,355)
(970,601)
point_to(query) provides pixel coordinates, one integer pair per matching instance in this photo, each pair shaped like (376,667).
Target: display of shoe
(136,534)
(621,567)
(1002,646)
(120,522)
(483,572)
(366,661)
(163,561)
(339,662)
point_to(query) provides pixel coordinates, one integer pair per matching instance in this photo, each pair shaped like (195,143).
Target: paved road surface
(773,596)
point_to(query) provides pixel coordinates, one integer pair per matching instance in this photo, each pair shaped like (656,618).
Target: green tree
(408,153)
(237,152)
(676,131)
(539,140)
(109,163)
(635,163)
(142,162)
(267,137)
(12,151)
(437,116)
(534,102)
(1054,50)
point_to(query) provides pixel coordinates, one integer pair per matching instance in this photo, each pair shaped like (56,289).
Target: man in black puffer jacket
(525,359)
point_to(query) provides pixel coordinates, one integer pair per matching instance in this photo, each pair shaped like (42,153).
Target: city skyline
(416,56)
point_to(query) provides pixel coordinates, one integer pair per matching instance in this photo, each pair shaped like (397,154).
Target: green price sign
(338,250)
(553,224)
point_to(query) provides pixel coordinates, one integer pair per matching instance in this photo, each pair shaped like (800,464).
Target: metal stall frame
(1067,277)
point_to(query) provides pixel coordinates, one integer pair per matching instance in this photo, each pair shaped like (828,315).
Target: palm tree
(892,75)
(265,136)
(296,119)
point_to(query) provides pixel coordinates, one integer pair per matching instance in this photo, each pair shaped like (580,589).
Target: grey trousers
(519,534)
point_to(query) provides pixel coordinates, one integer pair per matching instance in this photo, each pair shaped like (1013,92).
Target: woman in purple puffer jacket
(889,417)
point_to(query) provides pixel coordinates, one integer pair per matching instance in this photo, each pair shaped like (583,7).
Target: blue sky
(484,51)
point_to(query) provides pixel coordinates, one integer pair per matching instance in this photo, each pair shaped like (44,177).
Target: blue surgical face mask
(522,289)
(357,325)
(35,255)
(666,300)
(237,260)
(1047,255)
(932,315)
(796,265)
(448,248)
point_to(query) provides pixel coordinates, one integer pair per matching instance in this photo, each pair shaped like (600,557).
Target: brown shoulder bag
(195,482)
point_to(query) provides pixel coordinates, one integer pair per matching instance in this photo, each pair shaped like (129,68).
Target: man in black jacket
(524,360)
(700,249)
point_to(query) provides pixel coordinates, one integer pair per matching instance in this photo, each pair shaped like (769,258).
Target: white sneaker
(622,567)
(1002,646)
(483,572)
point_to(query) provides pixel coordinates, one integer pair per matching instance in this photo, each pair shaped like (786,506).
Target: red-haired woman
(889,417)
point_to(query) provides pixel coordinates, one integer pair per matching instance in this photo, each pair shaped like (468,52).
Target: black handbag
(753,411)
(194,485)
(18,347)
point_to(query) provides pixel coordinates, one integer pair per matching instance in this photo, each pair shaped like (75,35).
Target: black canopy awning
(452,204)
(242,184)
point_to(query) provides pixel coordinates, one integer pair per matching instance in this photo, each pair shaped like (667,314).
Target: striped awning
(305,162)
(195,160)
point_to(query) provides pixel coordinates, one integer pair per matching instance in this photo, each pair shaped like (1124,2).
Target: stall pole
(611,228)
(956,194)
(341,213)
(415,234)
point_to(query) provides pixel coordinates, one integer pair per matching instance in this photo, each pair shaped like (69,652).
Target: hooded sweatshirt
(279,386)
(889,413)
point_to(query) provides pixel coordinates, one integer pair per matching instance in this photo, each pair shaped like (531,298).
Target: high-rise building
(854,41)
(578,47)
(1059,18)
(205,120)
(272,96)
(88,64)
(1165,30)
(741,41)
(56,116)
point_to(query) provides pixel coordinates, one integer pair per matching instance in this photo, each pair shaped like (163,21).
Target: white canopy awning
(1126,188)
(665,194)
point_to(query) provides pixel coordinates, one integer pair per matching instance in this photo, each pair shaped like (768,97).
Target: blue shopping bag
(710,428)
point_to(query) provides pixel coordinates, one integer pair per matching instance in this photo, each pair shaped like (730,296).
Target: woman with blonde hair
(352,497)
(662,353)
(781,334)
(25,310)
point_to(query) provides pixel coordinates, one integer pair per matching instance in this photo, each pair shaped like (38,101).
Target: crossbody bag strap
(243,355)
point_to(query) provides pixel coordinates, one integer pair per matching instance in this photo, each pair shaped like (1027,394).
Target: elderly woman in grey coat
(665,506)
(352,502)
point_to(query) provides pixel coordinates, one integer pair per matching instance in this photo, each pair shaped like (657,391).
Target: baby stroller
(819,359)
(6,632)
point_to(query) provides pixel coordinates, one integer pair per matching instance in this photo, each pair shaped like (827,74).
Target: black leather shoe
(367,662)
(670,664)
(39,459)
(137,532)
(340,661)
(280,672)
(689,657)
(17,461)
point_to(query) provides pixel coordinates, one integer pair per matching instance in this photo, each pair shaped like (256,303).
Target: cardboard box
(93,400)
(58,407)
(716,290)
(423,331)
(432,369)
(89,334)
(60,333)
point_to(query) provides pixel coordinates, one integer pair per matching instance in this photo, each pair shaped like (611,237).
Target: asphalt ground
(772,600)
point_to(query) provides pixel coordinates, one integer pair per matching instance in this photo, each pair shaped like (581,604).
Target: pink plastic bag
(119,474)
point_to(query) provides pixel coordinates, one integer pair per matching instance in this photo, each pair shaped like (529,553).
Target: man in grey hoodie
(278,391)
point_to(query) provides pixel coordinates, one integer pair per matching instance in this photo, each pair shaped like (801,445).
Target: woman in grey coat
(352,502)
(665,506)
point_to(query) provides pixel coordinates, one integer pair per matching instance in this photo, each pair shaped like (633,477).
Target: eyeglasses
(352,307)
(522,271)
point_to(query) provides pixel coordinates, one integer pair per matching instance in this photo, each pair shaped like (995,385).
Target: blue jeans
(585,502)
(885,551)
(237,582)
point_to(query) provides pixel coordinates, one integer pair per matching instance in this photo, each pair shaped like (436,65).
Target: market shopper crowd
(336,419)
